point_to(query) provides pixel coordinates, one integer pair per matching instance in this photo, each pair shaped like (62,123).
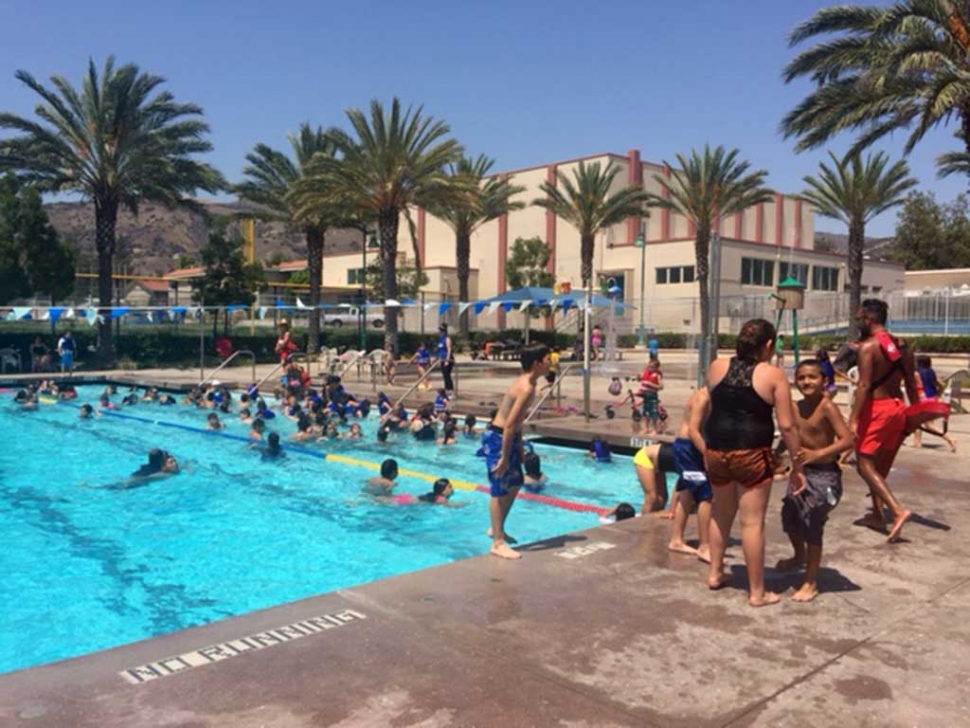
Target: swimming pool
(88,566)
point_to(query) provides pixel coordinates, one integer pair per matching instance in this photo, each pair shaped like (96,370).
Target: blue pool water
(87,566)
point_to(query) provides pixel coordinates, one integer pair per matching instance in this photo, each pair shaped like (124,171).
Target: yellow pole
(247,228)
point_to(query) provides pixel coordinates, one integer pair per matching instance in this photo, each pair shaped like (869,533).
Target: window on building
(355,277)
(675,274)
(757,272)
(798,271)
(825,278)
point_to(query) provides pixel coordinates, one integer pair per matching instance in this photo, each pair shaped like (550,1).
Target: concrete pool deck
(594,629)
(600,628)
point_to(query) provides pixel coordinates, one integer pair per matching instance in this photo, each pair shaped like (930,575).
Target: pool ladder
(227,361)
(554,386)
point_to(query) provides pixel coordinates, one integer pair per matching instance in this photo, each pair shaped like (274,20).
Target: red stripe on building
(421,227)
(634,178)
(551,222)
(503,256)
(759,224)
(738,221)
(779,219)
(798,223)
(665,214)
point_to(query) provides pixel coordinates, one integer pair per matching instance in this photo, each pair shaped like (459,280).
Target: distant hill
(151,243)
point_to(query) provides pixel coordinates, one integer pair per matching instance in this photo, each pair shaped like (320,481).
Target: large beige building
(760,247)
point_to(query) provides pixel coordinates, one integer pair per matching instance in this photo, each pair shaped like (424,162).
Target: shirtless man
(503,448)
(878,418)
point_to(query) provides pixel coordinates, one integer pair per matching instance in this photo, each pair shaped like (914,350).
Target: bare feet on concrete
(898,524)
(681,548)
(806,593)
(766,599)
(503,551)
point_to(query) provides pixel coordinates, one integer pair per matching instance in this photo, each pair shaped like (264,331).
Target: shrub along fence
(166,345)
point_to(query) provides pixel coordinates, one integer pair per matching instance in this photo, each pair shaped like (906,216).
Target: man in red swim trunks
(878,418)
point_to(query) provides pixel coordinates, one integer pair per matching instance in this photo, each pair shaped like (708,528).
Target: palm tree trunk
(387,223)
(587,243)
(106,219)
(462,261)
(314,257)
(857,240)
(702,249)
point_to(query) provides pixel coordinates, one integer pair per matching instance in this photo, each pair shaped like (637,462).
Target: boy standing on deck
(503,448)
(823,435)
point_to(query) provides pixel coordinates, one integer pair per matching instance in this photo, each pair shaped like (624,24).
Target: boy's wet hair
(274,439)
(389,468)
(809,363)
(470,420)
(923,362)
(532,465)
(875,309)
(531,355)
(382,434)
(625,511)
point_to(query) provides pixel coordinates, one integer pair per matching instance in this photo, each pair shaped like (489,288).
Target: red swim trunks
(882,426)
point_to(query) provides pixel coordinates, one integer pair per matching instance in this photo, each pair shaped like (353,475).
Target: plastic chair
(953,390)
(10,358)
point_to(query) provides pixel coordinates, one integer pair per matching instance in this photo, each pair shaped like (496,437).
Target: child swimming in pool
(534,478)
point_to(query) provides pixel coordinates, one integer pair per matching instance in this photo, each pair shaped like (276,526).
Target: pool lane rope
(566,505)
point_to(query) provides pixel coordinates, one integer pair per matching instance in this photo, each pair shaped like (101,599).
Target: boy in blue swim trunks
(693,488)
(503,448)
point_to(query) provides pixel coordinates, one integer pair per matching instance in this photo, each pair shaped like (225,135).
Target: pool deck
(595,629)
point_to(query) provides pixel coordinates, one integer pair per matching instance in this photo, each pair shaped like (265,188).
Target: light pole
(641,242)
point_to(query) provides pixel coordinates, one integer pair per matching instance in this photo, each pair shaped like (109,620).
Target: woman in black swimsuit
(741,394)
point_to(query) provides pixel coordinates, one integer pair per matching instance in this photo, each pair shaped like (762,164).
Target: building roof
(184,273)
(291,265)
(153,286)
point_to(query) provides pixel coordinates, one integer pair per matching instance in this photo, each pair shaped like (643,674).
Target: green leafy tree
(227,279)
(487,199)
(585,203)
(410,280)
(33,258)
(185,260)
(271,178)
(301,278)
(391,161)
(116,142)
(854,190)
(527,264)
(708,187)
(899,68)
(931,235)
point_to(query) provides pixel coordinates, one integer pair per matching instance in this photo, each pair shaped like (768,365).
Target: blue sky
(525,82)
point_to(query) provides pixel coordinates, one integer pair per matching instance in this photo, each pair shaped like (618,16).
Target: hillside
(151,243)
(839,243)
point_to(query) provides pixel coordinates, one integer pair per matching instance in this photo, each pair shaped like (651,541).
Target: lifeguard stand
(790,296)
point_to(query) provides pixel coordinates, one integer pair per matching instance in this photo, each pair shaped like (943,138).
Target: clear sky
(527,82)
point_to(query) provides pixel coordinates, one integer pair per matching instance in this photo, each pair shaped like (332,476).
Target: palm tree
(708,187)
(585,203)
(272,176)
(854,191)
(115,143)
(895,68)
(488,199)
(390,163)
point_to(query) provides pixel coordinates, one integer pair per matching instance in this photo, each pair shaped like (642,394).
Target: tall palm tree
(272,176)
(895,68)
(708,187)
(585,203)
(854,190)
(390,162)
(489,198)
(117,143)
